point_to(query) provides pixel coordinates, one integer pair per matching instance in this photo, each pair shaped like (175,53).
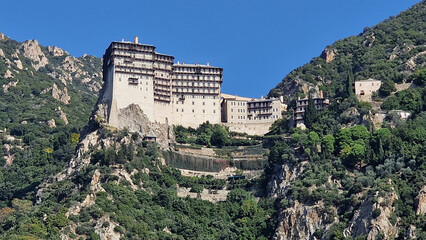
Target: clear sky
(256,42)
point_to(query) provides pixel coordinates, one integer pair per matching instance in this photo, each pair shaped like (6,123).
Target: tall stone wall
(249,128)
(195,110)
(209,164)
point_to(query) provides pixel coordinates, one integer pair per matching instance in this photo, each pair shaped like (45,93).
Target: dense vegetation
(361,161)
(37,150)
(145,212)
(209,135)
(347,158)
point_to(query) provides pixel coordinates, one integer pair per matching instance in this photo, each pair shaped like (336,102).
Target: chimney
(122,40)
(208,64)
(135,39)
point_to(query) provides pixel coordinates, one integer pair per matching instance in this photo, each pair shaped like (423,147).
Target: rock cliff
(372,219)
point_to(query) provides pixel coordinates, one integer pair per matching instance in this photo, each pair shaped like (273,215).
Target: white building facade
(176,94)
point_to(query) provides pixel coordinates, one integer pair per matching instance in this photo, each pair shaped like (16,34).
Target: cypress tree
(349,84)
(311,113)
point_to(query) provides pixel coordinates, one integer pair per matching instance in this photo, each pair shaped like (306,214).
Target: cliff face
(302,221)
(372,218)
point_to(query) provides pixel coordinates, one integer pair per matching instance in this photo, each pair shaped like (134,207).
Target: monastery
(178,93)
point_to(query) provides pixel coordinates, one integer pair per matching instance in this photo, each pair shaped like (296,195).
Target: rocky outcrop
(411,232)
(61,95)
(17,60)
(329,54)
(302,221)
(70,64)
(8,74)
(58,94)
(133,118)
(411,64)
(366,222)
(2,36)
(369,40)
(30,49)
(51,123)
(421,201)
(106,231)
(55,51)
(8,156)
(282,177)
(62,115)
(9,85)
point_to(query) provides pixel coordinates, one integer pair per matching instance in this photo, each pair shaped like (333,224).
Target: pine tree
(311,113)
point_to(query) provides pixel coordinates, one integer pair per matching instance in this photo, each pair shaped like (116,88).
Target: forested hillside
(350,175)
(46,98)
(390,51)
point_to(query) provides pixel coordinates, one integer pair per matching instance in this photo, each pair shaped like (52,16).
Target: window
(204,103)
(177,110)
(193,103)
(133,81)
(193,110)
(204,111)
(182,109)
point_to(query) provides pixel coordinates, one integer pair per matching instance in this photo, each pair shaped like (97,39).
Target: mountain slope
(46,97)
(346,176)
(391,50)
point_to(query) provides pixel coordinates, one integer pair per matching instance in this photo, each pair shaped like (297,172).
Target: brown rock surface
(9,85)
(329,54)
(60,95)
(421,201)
(301,221)
(363,222)
(32,50)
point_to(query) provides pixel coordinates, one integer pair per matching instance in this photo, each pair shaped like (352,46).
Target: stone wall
(209,164)
(249,128)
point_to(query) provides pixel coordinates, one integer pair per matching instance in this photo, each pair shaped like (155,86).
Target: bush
(376,212)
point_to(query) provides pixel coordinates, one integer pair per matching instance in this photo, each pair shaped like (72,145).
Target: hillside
(392,50)
(46,98)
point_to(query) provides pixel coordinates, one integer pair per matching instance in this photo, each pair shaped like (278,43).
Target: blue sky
(256,42)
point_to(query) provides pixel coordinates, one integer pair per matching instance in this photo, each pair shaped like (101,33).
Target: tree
(387,87)
(350,83)
(328,144)
(314,140)
(354,154)
(311,113)
(419,77)
(219,136)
